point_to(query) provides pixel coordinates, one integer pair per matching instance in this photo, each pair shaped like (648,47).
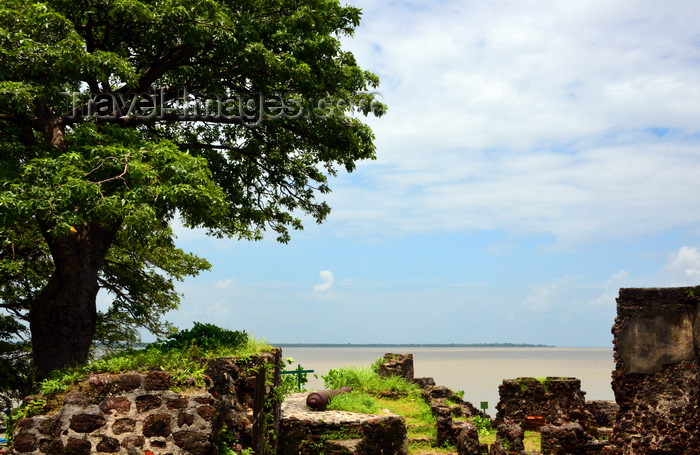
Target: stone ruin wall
(533,403)
(138,413)
(657,342)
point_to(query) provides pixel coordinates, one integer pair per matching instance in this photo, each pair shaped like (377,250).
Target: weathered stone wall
(397,365)
(533,403)
(138,413)
(657,340)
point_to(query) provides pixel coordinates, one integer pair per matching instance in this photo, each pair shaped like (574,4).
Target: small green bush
(482,424)
(206,336)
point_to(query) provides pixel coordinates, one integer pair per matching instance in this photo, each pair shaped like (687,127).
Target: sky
(536,157)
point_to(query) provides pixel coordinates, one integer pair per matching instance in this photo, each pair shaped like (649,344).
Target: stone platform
(308,432)
(294,408)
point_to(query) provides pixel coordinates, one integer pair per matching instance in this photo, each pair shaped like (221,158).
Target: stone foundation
(138,413)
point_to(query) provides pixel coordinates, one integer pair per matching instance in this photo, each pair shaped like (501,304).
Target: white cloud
(610,290)
(327,281)
(542,297)
(572,119)
(225,284)
(683,267)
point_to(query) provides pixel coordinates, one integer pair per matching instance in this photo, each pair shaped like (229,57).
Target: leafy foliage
(292,383)
(111,128)
(16,372)
(205,336)
(482,424)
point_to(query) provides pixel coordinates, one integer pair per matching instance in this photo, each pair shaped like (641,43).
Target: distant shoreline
(411,345)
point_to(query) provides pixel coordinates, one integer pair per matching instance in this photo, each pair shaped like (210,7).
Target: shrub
(482,424)
(206,336)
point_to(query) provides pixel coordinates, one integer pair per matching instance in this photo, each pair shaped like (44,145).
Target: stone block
(50,426)
(206,412)
(124,425)
(157,380)
(100,382)
(120,405)
(148,402)
(193,442)
(157,425)
(424,382)
(204,399)
(24,442)
(177,403)
(52,446)
(184,418)
(86,423)
(128,382)
(108,445)
(77,399)
(133,442)
(78,446)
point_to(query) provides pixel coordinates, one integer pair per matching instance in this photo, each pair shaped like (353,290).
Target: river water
(476,371)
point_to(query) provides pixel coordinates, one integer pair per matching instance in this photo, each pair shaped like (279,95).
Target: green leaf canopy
(119,116)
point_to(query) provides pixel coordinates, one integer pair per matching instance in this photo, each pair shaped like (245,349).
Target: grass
(365,379)
(184,365)
(360,402)
(370,392)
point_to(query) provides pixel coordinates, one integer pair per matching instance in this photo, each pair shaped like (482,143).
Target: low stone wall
(138,413)
(657,340)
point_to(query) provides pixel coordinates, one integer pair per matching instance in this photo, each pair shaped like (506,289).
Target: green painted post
(299,370)
(484,405)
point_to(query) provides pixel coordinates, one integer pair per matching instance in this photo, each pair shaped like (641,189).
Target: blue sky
(536,157)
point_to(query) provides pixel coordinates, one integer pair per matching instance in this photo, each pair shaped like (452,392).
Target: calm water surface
(477,371)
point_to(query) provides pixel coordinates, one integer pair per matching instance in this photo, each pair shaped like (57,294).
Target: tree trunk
(63,317)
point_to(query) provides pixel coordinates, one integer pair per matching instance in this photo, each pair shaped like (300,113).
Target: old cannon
(319,400)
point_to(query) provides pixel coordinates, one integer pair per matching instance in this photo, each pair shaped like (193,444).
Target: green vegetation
(205,336)
(292,383)
(180,354)
(412,345)
(119,116)
(483,425)
(363,379)
(361,402)
(371,393)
